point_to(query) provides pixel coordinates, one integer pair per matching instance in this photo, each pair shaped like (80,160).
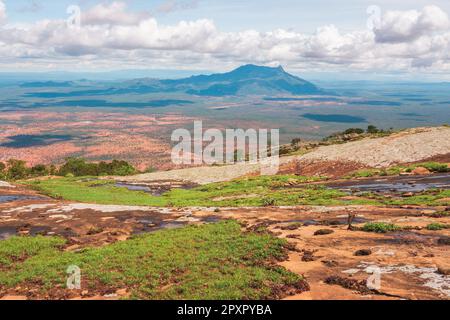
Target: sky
(369,39)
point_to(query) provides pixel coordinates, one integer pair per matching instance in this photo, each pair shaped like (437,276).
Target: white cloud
(176,5)
(2,12)
(405,26)
(111,13)
(111,36)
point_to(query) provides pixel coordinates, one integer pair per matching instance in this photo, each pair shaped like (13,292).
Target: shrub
(437,226)
(79,167)
(268,202)
(354,131)
(2,170)
(372,129)
(17,169)
(39,170)
(380,227)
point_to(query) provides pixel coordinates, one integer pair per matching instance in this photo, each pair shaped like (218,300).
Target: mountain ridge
(246,80)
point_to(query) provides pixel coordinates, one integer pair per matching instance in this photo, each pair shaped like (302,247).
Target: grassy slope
(214,261)
(256,191)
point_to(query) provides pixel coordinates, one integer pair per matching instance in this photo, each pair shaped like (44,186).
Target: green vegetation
(432,197)
(73,167)
(380,227)
(437,226)
(353,134)
(254,191)
(214,261)
(434,167)
(78,167)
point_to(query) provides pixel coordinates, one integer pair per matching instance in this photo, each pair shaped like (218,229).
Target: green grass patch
(214,261)
(437,226)
(254,191)
(380,227)
(434,167)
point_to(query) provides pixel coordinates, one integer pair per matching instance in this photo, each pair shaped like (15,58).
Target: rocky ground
(327,245)
(404,147)
(413,263)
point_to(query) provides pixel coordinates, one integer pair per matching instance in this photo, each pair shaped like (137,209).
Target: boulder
(4,184)
(420,171)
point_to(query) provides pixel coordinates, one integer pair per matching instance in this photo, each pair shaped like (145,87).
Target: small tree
(39,170)
(372,129)
(296,142)
(354,131)
(2,170)
(17,169)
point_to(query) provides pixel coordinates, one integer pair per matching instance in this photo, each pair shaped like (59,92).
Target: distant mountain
(246,80)
(243,81)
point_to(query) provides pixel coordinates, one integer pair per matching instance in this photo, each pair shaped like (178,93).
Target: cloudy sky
(404,38)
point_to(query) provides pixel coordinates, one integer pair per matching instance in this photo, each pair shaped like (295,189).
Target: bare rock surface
(404,147)
(407,146)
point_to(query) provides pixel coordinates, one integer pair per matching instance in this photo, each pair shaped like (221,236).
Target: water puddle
(17,197)
(10,231)
(396,184)
(156,188)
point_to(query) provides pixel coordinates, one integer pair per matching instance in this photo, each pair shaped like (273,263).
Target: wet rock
(322,232)
(4,184)
(330,263)
(444,241)
(420,171)
(351,284)
(363,252)
(94,230)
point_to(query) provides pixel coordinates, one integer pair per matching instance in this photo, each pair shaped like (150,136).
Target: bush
(2,170)
(372,129)
(17,169)
(437,226)
(380,227)
(39,170)
(436,167)
(354,131)
(79,167)
(268,202)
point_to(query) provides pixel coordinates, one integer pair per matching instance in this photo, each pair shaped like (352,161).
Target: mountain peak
(254,71)
(249,79)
